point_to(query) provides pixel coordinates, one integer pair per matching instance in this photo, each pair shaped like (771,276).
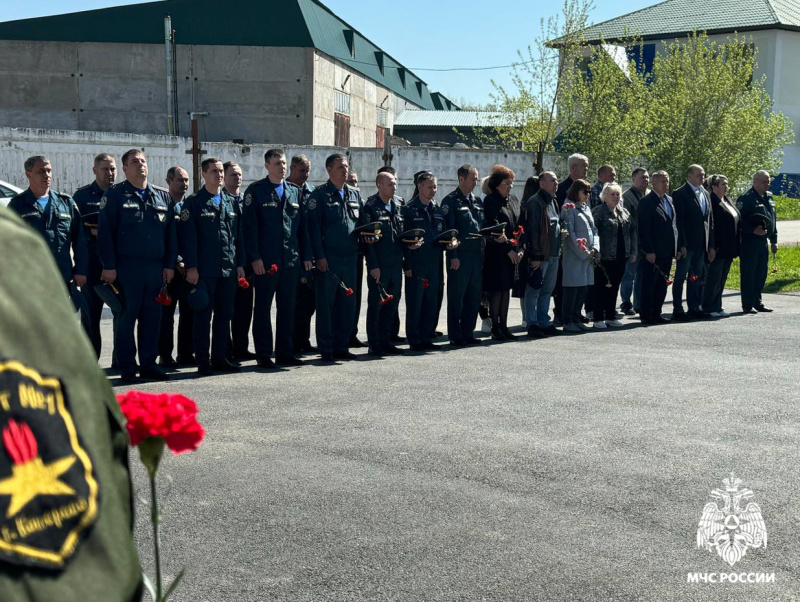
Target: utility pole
(196,151)
(169,41)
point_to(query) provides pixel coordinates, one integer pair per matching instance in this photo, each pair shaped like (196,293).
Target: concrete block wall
(72,153)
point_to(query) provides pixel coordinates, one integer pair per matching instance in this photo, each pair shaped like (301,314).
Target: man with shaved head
(758,225)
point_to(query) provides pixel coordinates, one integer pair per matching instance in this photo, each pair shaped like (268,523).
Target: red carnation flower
(169,416)
(425,283)
(514,242)
(568,206)
(694,278)
(521,230)
(386,299)
(272,269)
(348,291)
(243,283)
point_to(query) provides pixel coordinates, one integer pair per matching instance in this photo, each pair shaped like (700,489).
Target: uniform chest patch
(103,202)
(445,209)
(185,215)
(312,204)
(48,491)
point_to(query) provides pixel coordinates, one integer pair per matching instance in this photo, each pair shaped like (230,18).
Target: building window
(341,102)
(643,56)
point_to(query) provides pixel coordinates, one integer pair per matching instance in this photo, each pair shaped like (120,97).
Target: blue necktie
(667,208)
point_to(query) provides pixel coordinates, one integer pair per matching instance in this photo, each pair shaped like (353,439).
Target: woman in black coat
(727,230)
(501,256)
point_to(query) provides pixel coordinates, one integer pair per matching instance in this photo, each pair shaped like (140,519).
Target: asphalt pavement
(572,468)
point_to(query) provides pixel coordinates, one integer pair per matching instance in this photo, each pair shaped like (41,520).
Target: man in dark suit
(658,242)
(695,220)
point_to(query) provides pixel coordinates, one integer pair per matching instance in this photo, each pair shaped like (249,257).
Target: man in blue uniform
(305,304)
(137,244)
(87,198)
(56,217)
(464,212)
(210,239)
(384,265)
(758,226)
(238,347)
(334,212)
(272,230)
(423,264)
(178,289)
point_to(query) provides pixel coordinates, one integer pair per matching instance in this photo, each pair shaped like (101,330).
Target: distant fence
(71,153)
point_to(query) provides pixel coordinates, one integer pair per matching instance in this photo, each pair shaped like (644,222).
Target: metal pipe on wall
(170,74)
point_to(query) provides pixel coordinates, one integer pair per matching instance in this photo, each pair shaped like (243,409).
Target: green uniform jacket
(78,428)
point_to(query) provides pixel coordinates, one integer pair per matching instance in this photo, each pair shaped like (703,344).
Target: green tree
(603,107)
(705,106)
(529,104)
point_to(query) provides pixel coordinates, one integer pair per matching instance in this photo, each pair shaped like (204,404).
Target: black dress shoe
(167,362)
(345,355)
(186,360)
(327,357)
(680,316)
(154,373)
(550,331)
(508,334)
(534,332)
(473,341)
(438,333)
(457,343)
(308,348)
(355,343)
(375,352)
(224,366)
(429,346)
(128,378)
(244,355)
(416,348)
(288,360)
(392,350)
(749,310)
(699,315)
(397,339)
(762,308)
(204,370)
(497,335)
(662,320)
(266,363)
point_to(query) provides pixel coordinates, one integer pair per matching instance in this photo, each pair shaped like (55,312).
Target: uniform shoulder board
(292,184)
(160,188)
(84,187)
(63,197)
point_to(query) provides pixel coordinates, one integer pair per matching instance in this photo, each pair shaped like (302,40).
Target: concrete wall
(365,98)
(72,152)
(258,94)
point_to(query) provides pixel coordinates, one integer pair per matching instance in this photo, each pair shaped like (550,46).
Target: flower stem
(155,519)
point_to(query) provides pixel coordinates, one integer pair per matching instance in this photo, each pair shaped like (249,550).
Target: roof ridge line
(773,11)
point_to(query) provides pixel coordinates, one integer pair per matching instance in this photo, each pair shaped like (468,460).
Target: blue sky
(438,34)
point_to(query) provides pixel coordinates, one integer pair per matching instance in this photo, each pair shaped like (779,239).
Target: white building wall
(72,154)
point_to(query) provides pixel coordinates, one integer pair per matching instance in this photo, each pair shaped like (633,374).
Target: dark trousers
(754,262)
(421,303)
(305,305)
(380,318)
(558,294)
(464,297)
(178,289)
(357,287)
(654,287)
(693,266)
(716,276)
(140,281)
(573,298)
(242,318)
(630,289)
(283,285)
(93,304)
(335,309)
(220,296)
(604,297)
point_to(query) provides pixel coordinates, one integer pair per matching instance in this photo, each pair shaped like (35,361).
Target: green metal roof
(282,23)
(678,17)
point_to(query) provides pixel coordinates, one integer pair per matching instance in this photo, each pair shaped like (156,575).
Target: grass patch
(787,208)
(788,276)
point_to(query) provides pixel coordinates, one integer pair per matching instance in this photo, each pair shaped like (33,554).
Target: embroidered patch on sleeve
(49,495)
